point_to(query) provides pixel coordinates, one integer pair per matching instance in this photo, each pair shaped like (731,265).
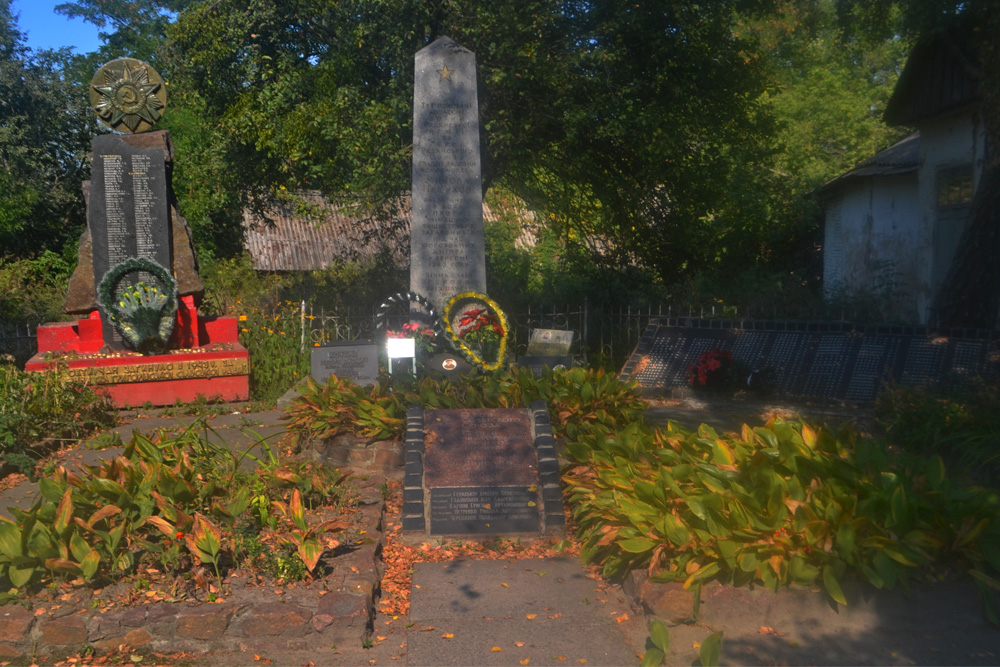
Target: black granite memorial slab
(447,365)
(822,360)
(538,364)
(128,211)
(355,360)
(489,471)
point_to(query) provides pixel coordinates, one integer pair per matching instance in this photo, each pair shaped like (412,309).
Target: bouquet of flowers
(481,330)
(713,370)
(424,337)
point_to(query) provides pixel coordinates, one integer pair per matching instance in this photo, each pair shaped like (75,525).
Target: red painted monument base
(211,362)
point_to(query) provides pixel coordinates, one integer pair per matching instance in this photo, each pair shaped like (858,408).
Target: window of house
(954,186)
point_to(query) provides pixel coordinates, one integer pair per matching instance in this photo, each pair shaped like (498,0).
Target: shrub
(958,419)
(779,504)
(575,397)
(272,336)
(172,501)
(36,407)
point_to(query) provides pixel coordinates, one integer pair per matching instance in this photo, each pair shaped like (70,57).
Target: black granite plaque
(355,360)
(447,365)
(538,364)
(924,361)
(484,509)
(826,371)
(481,471)
(128,211)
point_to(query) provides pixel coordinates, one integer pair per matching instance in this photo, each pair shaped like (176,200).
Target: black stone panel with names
(477,509)
(831,361)
(128,210)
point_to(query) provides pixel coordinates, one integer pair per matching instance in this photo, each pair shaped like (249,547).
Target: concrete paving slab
(546,611)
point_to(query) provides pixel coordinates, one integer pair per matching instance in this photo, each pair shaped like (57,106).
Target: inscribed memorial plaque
(355,360)
(127,210)
(549,343)
(481,470)
(447,247)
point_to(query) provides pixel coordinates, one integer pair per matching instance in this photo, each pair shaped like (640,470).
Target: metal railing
(19,340)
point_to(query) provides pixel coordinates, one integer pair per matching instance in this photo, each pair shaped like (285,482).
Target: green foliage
(774,505)
(45,129)
(958,420)
(657,644)
(160,496)
(273,338)
(37,407)
(575,397)
(32,289)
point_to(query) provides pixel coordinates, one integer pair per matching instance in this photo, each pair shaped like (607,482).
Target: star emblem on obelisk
(445,72)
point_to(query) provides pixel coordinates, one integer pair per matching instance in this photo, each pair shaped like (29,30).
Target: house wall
(871,240)
(949,141)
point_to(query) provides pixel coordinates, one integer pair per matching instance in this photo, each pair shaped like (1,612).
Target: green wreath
(144,314)
(484,319)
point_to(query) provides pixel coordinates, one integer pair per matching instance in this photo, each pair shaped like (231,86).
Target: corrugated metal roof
(317,232)
(939,75)
(900,158)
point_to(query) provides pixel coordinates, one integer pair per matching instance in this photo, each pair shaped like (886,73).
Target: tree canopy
(665,139)
(45,131)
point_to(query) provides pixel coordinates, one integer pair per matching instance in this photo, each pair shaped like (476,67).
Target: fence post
(584,332)
(302,325)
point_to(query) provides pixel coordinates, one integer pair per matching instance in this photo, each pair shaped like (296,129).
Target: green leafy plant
(159,494)
(957,419)
(779,504)
(657,644)
(46,407)
(303,537)
(575,398)
(271,335)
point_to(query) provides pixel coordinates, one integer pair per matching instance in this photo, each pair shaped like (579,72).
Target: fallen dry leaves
(400,557)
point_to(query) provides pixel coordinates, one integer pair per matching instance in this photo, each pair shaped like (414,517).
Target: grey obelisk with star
(447,249)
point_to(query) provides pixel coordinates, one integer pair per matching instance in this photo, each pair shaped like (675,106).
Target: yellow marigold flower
(243,318)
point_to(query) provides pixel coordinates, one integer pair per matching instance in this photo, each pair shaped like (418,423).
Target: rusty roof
(315,232)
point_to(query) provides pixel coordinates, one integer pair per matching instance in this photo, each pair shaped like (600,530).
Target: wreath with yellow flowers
(143,313)
(477,328)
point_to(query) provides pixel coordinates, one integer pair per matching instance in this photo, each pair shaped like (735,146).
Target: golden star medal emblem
(445,72)
(128,95)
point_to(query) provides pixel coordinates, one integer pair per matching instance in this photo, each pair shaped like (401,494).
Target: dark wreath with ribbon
(143,313)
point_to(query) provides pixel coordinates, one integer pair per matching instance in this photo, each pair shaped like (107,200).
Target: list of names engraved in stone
(143,202)
(114,198)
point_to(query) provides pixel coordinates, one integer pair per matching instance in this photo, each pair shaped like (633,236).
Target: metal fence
(604,337)
(19,340)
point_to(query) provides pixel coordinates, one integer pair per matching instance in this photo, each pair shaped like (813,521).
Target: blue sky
(47,30)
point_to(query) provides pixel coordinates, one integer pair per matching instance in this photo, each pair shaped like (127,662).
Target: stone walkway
(536,612)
